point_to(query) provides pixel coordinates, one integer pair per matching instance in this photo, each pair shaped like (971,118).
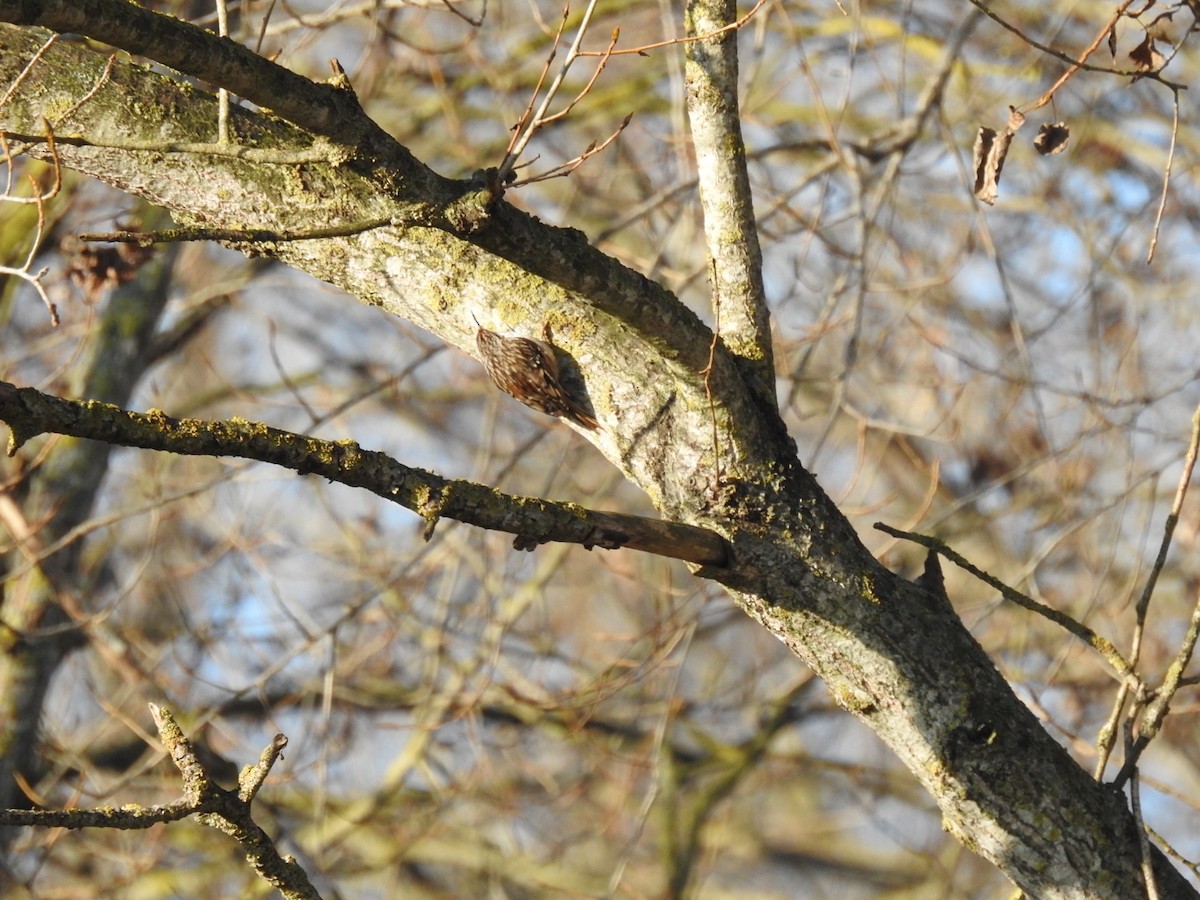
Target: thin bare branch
(519,129)
(1162,199)
(38,197)
(571,165)
(1185,478)
(531,124)
(229,812)
(33,61)
(232,235)
(1078,64)
(604,57)
(279,157)
(1101,645)
(643,49)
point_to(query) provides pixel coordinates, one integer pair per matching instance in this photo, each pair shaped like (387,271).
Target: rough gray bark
(893,653)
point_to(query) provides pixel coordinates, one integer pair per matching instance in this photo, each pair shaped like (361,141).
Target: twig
(248,235)
(229,812)
(318,153)
(100,82)
(252,777)
(1101,645)
(530,124)
(24,73)
(1135,803)
(222,93)
(1157,710)
(707,372)
(1107,736)
(454,10)
(571,165)
(1172,521)
(38,197)
(604,58)
(519,129)
(1162,200)
(1045,48)
(1079,63)
(202,797)
(644,48)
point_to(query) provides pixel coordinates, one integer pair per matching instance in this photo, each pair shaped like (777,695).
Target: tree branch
(326,109)
(229,811)
(534,521)
(739,300)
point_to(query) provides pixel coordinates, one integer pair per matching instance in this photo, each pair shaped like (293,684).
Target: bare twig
(229,812)
(100,82)
(533,121)
(452,8)
(707,372)
(318,153)
(126,819)
(519,129)
(202,797)
(1083,57)
(564,169)
(253,777)
(643,49)
(1046,48)
(38,197)
(1153,718)
(1172,521)
(249,235)
(604,57)
(1135,803)
(1101,645)
(12,88)
(1172,681)
(1162,200)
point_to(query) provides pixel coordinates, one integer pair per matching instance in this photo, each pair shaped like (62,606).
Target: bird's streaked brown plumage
(528,370)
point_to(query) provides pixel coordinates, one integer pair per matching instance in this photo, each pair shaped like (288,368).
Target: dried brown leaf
(1052,138)
(991,148)
(1145,57)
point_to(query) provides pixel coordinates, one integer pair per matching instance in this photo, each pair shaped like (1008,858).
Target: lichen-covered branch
(730,229)
(30,412)
(325,109)
(227,811)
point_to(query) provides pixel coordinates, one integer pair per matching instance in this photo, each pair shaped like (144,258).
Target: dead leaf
(991,147)
(1145,57)
(97,269)
(1052,139)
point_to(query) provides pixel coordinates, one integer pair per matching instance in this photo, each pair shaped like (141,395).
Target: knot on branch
(605,539)
(528,542)
(430,508)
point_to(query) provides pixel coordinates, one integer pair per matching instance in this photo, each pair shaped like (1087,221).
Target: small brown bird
(528,370)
